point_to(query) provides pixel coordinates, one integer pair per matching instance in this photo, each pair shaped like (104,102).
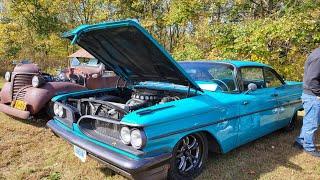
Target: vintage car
(163,123)
(86,70)
(28,90)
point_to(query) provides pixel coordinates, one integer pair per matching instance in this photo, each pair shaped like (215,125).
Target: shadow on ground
(39,121)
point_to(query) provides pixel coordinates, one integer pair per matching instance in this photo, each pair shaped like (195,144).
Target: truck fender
(6,92)
(37,98)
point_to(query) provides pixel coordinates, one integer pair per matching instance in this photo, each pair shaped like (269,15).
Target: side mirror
(251,87)
(283,77)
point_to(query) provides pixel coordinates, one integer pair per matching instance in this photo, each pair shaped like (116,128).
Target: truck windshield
(83,62)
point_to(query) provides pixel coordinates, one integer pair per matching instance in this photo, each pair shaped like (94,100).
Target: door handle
(245,102)
(275,95)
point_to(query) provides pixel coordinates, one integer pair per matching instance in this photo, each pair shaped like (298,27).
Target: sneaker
(297,145)
(314,153)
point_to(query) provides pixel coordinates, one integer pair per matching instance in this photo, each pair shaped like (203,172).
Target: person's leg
(307,105)
(310,124)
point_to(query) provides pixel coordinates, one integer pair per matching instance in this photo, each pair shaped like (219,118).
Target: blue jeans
(311,105)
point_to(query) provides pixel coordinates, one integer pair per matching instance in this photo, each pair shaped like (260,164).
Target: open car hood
(131,52)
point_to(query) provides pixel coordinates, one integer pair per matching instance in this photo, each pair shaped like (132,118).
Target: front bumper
(14,112)
(144,168)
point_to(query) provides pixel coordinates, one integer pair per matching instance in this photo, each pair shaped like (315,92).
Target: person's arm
(314,76)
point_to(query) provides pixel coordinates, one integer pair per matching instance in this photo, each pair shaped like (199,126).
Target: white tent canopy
(81,53)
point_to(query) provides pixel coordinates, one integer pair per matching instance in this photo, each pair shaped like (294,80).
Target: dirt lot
(30,151)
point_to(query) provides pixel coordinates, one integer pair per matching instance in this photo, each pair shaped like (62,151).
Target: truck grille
(19,81)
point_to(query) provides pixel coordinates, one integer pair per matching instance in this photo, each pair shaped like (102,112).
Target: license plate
(80,153)
(21,105)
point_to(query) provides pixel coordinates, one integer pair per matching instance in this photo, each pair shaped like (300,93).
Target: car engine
(116,106)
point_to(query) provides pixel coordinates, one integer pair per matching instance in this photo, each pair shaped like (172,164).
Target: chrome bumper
(144,168)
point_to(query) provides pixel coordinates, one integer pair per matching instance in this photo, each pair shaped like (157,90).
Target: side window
(271,79)
(252,75)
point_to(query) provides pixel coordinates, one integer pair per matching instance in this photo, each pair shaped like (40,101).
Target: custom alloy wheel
(189,156)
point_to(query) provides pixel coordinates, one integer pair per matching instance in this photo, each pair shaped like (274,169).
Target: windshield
(84,62)
(211,76)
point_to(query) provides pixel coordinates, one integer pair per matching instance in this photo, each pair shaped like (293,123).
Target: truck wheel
(189,156)
(292,123)
(49,110)
(46,112)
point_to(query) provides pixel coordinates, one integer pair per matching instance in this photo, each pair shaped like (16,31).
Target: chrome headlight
(7,76)
(125,135)
(138,138)
(61,112)
(37,81)
(58,110)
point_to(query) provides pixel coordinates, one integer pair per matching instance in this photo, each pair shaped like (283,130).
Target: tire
(189,157)
(292,124)
(46,112)
(49,109)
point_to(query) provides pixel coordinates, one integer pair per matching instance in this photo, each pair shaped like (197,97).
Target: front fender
(5,93)
(37,98)
(165,137)
(167,123)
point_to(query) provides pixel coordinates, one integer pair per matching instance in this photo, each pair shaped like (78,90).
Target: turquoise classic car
(167,116)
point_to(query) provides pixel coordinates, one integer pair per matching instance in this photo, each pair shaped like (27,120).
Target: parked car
(28,90)
(164,124)
(86,70)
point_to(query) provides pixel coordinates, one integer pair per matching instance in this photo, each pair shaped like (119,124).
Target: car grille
(19,81)
(107,129)
(99,129)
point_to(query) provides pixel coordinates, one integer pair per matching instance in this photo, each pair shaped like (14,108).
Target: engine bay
(116,104)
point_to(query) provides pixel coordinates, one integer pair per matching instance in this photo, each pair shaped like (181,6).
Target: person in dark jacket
(311,104)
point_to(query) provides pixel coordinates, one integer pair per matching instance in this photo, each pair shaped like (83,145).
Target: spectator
(311,104)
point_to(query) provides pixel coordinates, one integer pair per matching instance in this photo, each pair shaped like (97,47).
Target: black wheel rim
(189,154)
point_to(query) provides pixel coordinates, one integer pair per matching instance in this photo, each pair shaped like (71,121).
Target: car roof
(236,63)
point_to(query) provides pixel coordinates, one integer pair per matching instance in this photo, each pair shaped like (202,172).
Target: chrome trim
(70,118)
(220,121)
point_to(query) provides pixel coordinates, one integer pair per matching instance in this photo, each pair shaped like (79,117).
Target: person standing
(311,104)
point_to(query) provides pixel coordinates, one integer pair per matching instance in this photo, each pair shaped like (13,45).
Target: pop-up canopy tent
(81,53)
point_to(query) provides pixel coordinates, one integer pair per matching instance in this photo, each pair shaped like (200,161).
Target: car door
(258,109)
(285,95)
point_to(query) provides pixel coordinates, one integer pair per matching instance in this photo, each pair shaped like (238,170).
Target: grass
(2,81)
(28,150)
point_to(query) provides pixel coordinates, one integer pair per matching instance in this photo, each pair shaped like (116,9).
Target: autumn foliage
(276,32)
